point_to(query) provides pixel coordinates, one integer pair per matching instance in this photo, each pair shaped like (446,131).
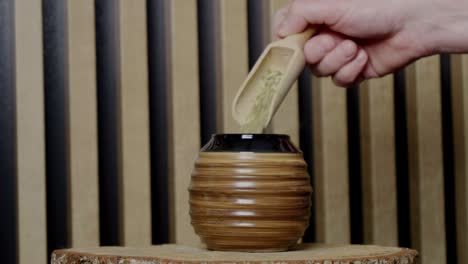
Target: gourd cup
(250,192)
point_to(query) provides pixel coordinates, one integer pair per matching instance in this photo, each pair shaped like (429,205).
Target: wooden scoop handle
(307,34)
(298,40)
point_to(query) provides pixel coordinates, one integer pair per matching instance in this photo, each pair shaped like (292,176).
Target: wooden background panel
(460,137)
(376,110)
(286,119)
(330,145)
(184,119)
(330,135)
(30,137)
(82,116)
(425,160)
(134,130)
(234,58)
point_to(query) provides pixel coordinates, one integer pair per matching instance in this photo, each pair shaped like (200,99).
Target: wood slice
(175,254)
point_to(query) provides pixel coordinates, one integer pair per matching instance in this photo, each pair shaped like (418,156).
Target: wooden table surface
(174,254)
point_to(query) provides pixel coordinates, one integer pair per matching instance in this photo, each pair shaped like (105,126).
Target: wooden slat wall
(30,139)
(184,127)
(330,143)
(233,40)
(425,160)
(460,137)
(378,162)
(286,120)
(82,116)
(134,126)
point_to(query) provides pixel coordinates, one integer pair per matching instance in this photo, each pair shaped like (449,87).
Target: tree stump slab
(178,254)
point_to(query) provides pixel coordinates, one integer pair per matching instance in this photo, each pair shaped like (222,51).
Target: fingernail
(361,57)
(349,48)
(325,45)
(283,28)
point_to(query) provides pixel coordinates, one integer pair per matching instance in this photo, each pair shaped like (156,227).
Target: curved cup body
(250,194)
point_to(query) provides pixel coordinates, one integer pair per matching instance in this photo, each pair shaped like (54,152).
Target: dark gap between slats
(157,61)
(57,164)
(207,35)
(8,219)
(256,22)
(401,153)
(108,136)
(449,166)
(306,141)
(354,165)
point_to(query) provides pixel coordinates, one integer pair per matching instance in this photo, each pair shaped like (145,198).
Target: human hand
(363,39)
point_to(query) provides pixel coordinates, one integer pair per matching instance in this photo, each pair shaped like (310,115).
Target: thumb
(301,13)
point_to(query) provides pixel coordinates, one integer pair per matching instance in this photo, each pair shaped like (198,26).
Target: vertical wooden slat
(134,124)
(425,160)
(378,162)
(330,162)
(158,121)
(32,240)
(55,103)
(82,116)
(209,67)
(234,58)
(107,68)
(183,104)
(286,119)
(258,25)
(460,139)
(8,171)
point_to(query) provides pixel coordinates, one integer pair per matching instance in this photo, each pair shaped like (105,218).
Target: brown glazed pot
(250,193)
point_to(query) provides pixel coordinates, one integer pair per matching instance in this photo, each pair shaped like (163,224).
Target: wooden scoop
(285,56)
